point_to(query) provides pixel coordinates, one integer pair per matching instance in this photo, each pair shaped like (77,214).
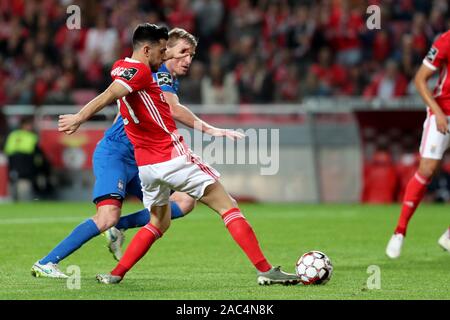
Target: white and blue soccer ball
(314,267)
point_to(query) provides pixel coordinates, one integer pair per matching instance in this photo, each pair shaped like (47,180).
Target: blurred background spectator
(28,169)
(387,84)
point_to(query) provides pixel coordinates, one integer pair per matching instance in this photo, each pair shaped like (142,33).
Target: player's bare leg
(220,201)
(105,219)
(184,201)
(140,244)
(415,190)
(181,205)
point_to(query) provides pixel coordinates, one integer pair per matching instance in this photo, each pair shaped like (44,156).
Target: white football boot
(394,247)
(444,240)
(49,270)
(276,276)
(115,238)
(108,279)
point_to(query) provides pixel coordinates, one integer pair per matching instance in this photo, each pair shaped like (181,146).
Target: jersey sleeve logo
(164,79)
(432,54)
(125,73)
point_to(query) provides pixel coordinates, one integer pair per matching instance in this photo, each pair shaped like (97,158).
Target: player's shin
(143,240)
(80,235)
(243,234)
(142,217)
(137,248)
(414,193)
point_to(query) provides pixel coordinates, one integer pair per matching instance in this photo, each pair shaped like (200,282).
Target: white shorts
(186,173)
(433,143)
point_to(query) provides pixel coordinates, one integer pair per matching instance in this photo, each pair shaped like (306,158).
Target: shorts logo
(164,79)
(120,185)
(125,73)
(433,149)
(431,55)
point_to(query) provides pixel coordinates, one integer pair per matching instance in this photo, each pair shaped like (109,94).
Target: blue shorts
(115,170)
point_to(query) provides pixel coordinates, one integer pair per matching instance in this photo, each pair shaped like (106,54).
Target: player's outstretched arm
(182,114)
(420,80)
(69,123)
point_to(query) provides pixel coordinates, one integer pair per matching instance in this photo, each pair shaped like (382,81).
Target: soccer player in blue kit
(116,171)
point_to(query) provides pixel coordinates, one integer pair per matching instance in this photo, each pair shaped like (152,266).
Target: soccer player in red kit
(164,160)
(435,138)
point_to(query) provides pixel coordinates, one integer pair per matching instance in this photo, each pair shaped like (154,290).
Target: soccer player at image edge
(435,139)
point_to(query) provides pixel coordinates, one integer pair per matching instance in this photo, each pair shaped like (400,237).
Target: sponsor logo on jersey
(164,79)
(125,73)
(432,54)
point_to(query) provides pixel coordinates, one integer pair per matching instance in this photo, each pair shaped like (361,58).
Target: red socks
(243,234)
(415,190)
(137,248)
(238,227)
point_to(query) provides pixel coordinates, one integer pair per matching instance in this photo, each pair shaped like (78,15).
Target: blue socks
(175,211)
(80,235)
(88,230)
(141,218)
(133,220)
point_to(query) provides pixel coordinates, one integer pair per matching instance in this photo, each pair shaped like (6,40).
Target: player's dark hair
(147,32)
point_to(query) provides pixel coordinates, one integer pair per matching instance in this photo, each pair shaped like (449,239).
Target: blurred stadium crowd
(250,51)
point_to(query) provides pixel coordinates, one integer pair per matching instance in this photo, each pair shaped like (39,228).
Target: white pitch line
(40,220)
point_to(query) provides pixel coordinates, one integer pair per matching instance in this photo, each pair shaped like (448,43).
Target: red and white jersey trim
(124,84)
(429,65)
(154,113)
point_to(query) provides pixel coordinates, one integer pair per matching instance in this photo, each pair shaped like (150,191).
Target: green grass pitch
(197,259)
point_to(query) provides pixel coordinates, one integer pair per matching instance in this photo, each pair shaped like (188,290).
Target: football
(314,267)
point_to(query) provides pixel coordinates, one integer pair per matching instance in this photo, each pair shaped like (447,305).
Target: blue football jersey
(165,80)
(116,132)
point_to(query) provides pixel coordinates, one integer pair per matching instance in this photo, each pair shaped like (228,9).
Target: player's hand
(181,50)
(442,123)
(230,134)
(68,123)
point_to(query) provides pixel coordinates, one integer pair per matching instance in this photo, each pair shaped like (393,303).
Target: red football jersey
(148,122)
(438,58)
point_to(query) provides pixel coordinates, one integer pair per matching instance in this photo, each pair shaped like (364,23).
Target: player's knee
(427,169)
(187,204)
(107,217)
(184,201)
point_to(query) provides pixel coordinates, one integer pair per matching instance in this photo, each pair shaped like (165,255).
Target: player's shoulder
(443,38)
(163,77)
(128,69)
